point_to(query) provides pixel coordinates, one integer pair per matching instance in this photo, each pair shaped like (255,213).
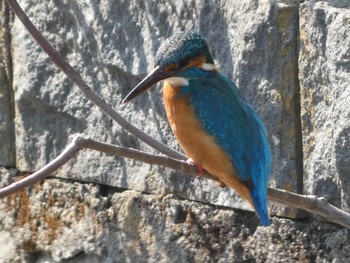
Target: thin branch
(155,159)
(89,93)
(309,203)
(68,153)
(79,143)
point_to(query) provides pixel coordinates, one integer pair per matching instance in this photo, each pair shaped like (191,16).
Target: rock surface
(324,63)
(60,220)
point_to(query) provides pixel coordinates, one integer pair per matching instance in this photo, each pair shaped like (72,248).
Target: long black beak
(154,77)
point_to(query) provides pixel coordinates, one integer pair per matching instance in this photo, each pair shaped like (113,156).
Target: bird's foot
(200,170)
(221,184)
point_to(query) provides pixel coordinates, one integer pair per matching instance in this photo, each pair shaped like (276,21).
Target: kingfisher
(216,127)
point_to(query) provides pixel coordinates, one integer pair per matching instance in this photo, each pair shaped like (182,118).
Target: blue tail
(260,205)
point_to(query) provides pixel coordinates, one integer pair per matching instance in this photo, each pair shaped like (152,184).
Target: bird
(217,128)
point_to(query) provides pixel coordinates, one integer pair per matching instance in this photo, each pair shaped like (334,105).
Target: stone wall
(324,74)
(290,60)
(65,221)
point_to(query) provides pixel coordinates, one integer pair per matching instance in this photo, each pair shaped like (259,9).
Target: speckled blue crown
(182,46)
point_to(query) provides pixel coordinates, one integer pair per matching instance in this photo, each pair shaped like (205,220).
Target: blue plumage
(237,128)
(184,45)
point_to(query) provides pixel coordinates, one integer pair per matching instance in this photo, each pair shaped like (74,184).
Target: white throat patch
(177,81)
(208,67)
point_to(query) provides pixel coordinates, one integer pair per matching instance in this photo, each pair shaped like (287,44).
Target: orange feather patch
(195,142)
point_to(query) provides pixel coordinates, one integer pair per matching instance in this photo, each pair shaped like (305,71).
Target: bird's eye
(179,65)
(183,63)
(172,67)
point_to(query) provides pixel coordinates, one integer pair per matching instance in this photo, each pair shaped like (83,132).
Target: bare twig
(89,93)
(309,203)
(42,173)
(78,143)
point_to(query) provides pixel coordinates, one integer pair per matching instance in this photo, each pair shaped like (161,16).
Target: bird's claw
(200,170)
(221,184)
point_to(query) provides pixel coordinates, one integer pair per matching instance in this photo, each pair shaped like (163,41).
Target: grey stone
(324,63)
(61,221)
(141,213)
(113,46)
(7,128)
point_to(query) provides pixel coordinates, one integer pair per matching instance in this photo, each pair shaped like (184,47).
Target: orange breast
(196,143)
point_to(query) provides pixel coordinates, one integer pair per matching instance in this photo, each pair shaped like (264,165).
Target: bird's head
(175,56)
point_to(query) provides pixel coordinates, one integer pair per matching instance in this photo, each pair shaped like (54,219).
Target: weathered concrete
(72,222)
(324,63)
(113,46)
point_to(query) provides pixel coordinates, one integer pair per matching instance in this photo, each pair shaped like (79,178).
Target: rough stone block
(60,221)
(324,63)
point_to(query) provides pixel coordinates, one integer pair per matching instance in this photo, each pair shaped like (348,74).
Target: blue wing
(238,130)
